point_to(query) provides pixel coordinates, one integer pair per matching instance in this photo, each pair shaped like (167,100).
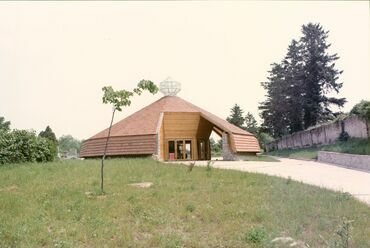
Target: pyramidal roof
(145,121)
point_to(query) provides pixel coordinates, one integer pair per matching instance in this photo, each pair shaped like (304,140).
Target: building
(171,129)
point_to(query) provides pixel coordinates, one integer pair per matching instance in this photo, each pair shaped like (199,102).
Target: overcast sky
(56,56)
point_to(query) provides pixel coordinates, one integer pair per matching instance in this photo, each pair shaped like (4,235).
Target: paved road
(328,176)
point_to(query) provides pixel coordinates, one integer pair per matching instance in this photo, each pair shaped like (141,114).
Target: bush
(190,208)
(21,146)
(344,136)
(362,109)
(255,235)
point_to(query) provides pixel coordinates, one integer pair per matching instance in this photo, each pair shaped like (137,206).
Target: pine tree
(273,109)
(236,116)
(294,77)
(251,123)
(320,76)
(297,87)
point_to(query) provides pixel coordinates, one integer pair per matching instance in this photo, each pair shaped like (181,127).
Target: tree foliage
(251,123)
(236,116)
(362,109)
(50,135)
(67,143)
(297,87)
(19,146)
(216,147)
(4,125)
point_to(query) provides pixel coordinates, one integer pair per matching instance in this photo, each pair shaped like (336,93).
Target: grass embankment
(49,205)
(354,146)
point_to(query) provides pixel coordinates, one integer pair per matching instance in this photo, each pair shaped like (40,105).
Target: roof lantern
(170,87)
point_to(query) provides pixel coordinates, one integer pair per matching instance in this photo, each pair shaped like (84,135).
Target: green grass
(58,205)
(354,146)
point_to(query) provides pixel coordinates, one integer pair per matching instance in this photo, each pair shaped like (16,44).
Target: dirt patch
(91,195)
(12,188)
(142,185)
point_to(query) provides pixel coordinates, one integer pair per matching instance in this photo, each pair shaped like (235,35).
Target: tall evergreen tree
(297,88)
(293,87)
(251,123)
(236,116)
(273,109)
(320,75)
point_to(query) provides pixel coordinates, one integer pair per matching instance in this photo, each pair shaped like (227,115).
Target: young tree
(251,123)
(4,125)
(119,99)
(236,116)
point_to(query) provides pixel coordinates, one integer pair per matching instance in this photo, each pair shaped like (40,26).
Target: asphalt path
(355,182)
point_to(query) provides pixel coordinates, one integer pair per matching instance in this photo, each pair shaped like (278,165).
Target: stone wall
(227,154)
(352,161)
(322,135)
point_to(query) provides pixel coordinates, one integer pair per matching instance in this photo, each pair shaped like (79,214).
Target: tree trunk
(105,152)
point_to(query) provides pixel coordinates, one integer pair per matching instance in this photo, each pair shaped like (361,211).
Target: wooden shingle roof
(144,121)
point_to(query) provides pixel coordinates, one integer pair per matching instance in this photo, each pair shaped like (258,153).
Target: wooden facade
(185,129)
(170,129)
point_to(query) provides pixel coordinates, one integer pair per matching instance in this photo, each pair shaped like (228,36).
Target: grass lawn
(354,146)
(48,205)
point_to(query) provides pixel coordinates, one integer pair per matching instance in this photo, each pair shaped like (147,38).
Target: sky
(55,57)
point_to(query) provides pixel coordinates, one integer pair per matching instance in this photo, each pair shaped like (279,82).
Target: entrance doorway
(204,152)
(180,150)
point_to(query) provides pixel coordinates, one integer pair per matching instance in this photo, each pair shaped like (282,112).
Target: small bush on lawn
(255,235)
(190,208)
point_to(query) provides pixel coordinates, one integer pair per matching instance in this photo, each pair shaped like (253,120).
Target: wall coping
(348,160)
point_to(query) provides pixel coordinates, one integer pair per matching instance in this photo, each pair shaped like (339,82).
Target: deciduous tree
(120,99)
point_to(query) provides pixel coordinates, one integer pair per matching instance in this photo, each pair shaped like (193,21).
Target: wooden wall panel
(161,142)
(180,125)
(204,128)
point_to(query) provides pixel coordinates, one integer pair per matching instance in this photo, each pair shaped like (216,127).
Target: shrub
(21,146)
(343,136)
(255,235)
(343,233)
(362,109)
(190,208)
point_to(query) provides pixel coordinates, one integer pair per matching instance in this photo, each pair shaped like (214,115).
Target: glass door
(188,149)
(180,150)
(171,150)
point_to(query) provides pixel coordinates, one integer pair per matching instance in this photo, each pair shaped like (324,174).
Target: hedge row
(19,146)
